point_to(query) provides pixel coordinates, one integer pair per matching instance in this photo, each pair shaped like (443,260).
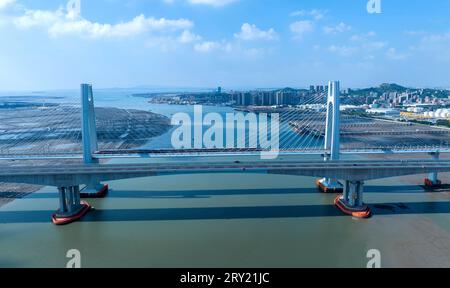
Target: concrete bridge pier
(71,208)
(433,181)
(329,185)
(351,202)
(95,190)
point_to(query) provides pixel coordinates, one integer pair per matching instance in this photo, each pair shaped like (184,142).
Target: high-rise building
(279,98)
(238,98)
(370,100)
(266,98)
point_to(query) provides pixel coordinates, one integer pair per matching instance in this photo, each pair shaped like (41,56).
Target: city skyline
(207,43)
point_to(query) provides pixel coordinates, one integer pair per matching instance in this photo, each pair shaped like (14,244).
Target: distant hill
(389,87)
(290,90)
(383,88)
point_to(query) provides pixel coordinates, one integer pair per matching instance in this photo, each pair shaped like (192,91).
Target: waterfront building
(384,111)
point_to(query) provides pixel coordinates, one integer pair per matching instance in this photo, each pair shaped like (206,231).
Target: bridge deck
(165,153)
(189,167)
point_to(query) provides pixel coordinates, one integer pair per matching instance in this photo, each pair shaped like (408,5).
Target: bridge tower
(332,136)
(71,208)
(433,181)
(89,128)
(90,143)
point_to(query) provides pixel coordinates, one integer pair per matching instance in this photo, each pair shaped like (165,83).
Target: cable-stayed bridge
(87,137)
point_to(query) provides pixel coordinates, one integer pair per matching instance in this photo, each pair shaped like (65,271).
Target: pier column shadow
(230,192)
(226,213)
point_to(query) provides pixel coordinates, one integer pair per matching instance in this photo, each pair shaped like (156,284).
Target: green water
(186,221)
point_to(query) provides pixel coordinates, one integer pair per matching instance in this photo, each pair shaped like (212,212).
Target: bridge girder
(359,174)
(350,174)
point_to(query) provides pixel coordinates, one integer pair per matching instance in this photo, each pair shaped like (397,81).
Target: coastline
(10,192)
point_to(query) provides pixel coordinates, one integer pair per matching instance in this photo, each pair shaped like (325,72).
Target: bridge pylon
(90,141)
(332,137)
(89,127)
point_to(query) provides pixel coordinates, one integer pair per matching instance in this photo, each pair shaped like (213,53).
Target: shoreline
(11,191)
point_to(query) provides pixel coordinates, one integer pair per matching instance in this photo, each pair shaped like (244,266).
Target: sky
(58,44)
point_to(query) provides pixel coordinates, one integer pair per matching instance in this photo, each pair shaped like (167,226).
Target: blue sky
(231,43)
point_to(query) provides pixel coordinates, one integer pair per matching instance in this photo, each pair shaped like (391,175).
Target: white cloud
(344,51)
(437,38)
(164,43)
(366,42)
(362,47)
(315,13)
(188,37)
(414,32)
(171,43)
(58,23)
(207,46)
(251,32)
(216,3)
(255,52)
(300,28)
(394,55)
(374,45)
(35,18)
(210,46)
(298,13)
(138,25)
(5,3)
(363,37)
(234,49)
(303,27)
(340,28)
(435,45)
